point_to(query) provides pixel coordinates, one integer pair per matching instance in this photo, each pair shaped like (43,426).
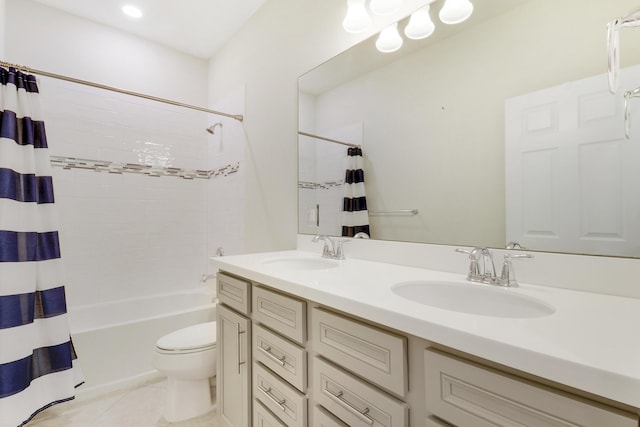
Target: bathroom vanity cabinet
(314,365)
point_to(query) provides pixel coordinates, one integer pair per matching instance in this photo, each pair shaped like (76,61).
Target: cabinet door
(234,368)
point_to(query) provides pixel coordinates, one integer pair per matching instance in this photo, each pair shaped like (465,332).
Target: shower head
(212,129)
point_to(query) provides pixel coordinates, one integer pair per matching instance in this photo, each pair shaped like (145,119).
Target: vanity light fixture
(455,11)
(385,7)
(420,25)
(389,39)
(132,11)
(357,19)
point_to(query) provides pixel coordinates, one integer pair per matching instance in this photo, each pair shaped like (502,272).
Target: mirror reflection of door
(572,179)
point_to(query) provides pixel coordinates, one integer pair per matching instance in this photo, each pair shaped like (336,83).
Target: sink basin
(298,264)
(473,298)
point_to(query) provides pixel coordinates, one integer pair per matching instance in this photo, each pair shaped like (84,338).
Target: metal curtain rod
(238,117)
(328,139)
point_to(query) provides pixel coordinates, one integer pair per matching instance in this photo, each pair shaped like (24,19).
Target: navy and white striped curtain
(355,217)
(37,359)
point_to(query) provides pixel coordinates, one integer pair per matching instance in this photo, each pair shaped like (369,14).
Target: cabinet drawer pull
(267,392)
(267,351)
(344,403)
(239,332)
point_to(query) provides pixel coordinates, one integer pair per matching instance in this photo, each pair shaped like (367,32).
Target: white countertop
(591,341)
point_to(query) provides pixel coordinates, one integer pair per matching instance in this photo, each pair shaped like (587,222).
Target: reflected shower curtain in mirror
(355,217)
(37,359)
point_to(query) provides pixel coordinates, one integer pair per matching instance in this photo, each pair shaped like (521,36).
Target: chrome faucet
(481,266)
(332,248)
(483,270)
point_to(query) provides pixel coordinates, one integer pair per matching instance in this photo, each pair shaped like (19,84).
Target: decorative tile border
(319,185)
(157,171)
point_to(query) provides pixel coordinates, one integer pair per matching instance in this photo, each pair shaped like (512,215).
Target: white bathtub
(115,341)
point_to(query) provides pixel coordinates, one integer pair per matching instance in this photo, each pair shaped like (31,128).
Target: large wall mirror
(500,129)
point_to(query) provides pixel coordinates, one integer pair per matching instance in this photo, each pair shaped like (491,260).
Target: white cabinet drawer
(262,417)
(281,356)
(287,403)
(355,402)
(374,354)
(281,313)
(234,292)
(467,394)
(322,418)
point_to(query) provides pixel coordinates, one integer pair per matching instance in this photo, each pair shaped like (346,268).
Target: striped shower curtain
(37,360)
(355,217)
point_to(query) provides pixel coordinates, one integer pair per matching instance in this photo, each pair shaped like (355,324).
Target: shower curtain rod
(328,139)
(238,117)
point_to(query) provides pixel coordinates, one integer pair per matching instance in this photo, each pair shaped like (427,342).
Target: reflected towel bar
(396,212)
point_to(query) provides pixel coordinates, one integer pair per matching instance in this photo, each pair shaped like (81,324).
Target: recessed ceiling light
(132,11)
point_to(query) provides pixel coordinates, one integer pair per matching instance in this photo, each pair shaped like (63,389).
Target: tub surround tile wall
(128,235)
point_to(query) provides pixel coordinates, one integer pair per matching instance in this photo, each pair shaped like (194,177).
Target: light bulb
(357,19)
(389,40)
(420,24)
(385,7)
(455,11)
(132,11)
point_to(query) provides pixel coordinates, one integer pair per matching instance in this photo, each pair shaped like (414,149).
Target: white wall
(284,39)
(130,235)
(44,38)
(2,25)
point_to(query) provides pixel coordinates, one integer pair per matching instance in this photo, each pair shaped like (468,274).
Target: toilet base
(187,399)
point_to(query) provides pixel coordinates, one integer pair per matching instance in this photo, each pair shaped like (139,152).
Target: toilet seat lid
(190,338)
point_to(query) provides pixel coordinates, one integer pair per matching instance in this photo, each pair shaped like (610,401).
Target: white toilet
(188,358)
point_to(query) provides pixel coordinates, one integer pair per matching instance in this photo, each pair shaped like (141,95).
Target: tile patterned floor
(138,407)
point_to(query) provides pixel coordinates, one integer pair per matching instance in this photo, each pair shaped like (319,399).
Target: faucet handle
(508,276)
(339,248)
(474,273)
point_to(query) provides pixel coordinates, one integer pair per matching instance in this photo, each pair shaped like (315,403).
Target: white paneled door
(572,178)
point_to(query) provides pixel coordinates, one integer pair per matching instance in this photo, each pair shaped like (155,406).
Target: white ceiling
(196,27)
